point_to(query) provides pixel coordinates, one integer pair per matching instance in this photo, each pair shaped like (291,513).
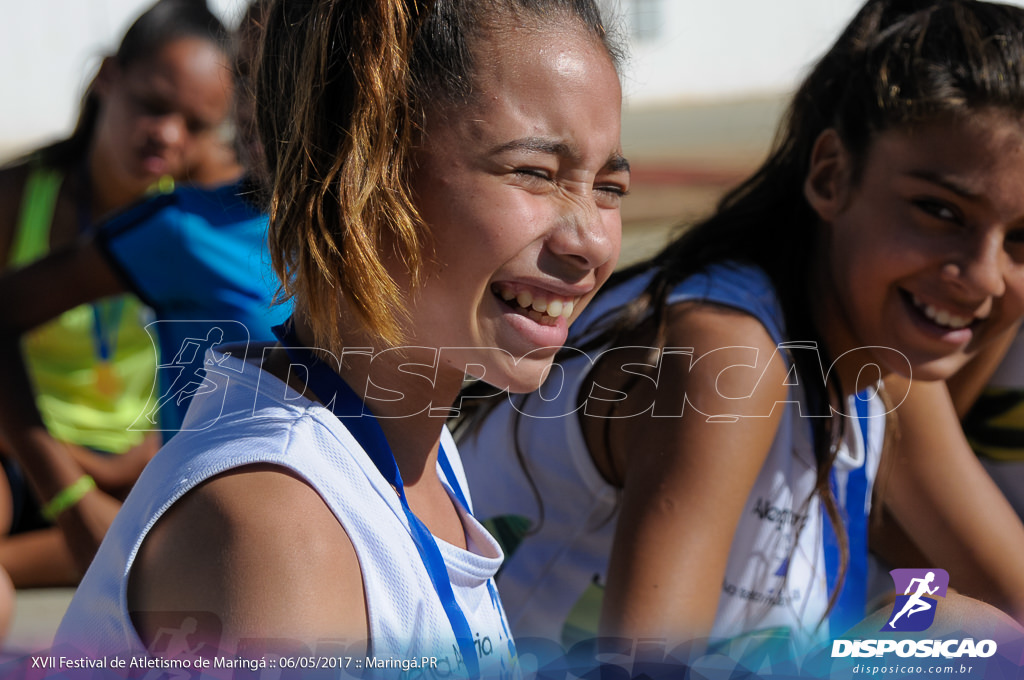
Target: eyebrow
(945,181)
(538,145)
(616,162)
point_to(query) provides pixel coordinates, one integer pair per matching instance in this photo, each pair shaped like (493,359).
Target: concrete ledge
(37,614)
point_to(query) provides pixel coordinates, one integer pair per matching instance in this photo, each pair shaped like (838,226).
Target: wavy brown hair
(898,64)
(343,88)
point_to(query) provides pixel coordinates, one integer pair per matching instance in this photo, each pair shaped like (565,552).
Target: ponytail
(342,89)
(335,126)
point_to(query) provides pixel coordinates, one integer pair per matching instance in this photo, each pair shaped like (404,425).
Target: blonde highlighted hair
(342,87)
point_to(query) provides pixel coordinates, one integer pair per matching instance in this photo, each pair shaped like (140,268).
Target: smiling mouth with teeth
(544,309)
(941,317)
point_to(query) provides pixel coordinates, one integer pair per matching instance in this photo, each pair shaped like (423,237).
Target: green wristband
(67,498)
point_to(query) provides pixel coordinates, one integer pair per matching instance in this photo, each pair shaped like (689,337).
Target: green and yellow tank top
(92,367)
(995,424)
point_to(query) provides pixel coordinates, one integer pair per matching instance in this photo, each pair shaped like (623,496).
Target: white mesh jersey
(252,417)
(776,576)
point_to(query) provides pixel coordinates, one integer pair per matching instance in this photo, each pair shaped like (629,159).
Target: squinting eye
(938,209)
(611,193)
(1015,237)
(534,173)
(613,189)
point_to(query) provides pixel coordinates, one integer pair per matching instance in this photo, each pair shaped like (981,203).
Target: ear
(828,176)
(105,78)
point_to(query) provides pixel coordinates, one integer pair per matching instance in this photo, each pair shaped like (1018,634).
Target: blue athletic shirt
(198,257)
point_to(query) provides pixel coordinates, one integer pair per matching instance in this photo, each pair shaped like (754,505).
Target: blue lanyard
(106,316)
(363,425)
(852,601)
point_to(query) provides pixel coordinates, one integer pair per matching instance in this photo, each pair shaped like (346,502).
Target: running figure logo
(914,610)
(190,372)
(191,379)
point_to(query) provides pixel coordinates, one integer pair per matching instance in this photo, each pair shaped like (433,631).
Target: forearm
(69,277)
(940,495)
(47,464)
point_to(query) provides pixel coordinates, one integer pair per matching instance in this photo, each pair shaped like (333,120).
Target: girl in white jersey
(430,161)
(705,456)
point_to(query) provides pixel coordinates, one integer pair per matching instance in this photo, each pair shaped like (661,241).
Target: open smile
(942,319)
(154,163)
(543,308)
(941,316)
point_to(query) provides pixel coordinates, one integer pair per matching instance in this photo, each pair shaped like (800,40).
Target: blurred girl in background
(145,119)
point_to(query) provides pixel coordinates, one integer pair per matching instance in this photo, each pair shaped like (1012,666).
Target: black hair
(165,22)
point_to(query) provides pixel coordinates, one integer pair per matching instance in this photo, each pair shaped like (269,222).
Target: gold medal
(106,316)
(108,383)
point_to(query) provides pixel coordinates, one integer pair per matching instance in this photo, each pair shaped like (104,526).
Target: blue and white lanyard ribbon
(852,601)
(351,410)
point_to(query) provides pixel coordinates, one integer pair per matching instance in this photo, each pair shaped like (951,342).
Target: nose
(168,130)
(980,270)
(587,237)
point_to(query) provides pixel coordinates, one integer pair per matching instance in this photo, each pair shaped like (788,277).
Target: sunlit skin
(154,115)
(925,254)
(519,191)
(935,215)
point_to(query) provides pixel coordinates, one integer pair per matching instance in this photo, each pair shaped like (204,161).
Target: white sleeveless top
(551,582)
(250,418)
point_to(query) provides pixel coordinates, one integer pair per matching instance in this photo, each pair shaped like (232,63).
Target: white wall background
(50,49)
(706,50)
(702,51)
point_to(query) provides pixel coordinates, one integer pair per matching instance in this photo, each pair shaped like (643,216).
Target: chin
(937,369)
(527,376)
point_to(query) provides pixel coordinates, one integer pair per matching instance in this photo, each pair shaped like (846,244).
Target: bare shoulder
(720,364)
(717,363)
(712,414)
(735,350)
(257,547)
(715,356)
(709,326)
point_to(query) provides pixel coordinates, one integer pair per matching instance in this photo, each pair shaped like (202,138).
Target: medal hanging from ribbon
(106,314)
(106,322)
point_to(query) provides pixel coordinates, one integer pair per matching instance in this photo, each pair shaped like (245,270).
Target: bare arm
(71,276)
(678,469)
(942,497)
(259,549)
